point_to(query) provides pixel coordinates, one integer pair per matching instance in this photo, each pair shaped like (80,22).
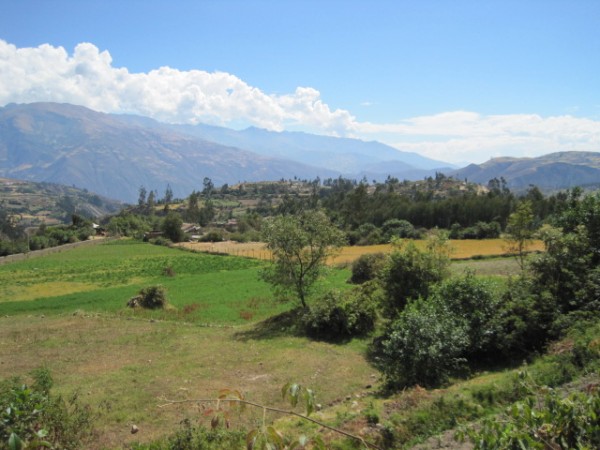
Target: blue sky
(460,81)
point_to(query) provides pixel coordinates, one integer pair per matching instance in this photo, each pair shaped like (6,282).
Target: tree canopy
(300,245)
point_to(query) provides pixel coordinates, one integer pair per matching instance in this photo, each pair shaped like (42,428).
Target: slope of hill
(550,172)
(73,145)
(51,203)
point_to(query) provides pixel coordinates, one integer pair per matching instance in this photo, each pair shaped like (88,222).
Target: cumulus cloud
(87,77)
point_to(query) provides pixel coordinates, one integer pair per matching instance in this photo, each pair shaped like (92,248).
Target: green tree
(300,245)
(519,231)
(411,273)
(208,187)
(142,197)
(171,227)
(168,197)
(151,202)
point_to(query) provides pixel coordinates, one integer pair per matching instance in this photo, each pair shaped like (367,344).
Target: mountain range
(114,155)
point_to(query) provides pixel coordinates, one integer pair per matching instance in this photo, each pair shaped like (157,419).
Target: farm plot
(461,249)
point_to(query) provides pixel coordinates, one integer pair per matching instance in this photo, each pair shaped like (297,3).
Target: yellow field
(460,249)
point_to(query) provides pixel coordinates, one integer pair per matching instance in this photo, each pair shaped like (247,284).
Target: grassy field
(208,288)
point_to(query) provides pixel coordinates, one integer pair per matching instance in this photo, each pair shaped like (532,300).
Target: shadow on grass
(284,324)
(289,323)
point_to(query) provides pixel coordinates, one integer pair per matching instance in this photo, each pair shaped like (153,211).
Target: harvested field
(461,249)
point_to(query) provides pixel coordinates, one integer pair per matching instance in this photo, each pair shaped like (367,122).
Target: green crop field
(209,288)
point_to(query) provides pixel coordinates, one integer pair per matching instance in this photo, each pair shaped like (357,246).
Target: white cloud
(87,77)
(467,136)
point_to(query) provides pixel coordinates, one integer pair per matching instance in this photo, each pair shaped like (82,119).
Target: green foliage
(583,212)
(31,417)
(481,230)
(397,228)
(131,225)
(519,231)
(471,301)
(424,345)
(410,274)
(213,236)
(546,421)
(341,315)
(368,267)
(171,227)
(300,246)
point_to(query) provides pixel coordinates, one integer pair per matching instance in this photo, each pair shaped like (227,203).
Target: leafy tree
(583,212)
(300,245)
(208,187)
(206,213)
(193,211)
(368,267)
(411,273)
(142,197)
(151,201)
(519,231)
(168,197)
(171,227)
(562,270)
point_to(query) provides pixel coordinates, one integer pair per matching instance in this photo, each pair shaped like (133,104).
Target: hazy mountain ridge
(113,155)
(555,171)
(73,145)
(349,156)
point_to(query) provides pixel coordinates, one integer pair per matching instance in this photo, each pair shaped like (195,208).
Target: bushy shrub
(481,230)
(424,345)
(472,300)
(368,267)
(153,297)
(213,236)
(341,315)
(397,228)
(366,234)
(409,275)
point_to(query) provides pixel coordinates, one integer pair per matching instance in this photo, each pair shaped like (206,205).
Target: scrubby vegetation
(33,417)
